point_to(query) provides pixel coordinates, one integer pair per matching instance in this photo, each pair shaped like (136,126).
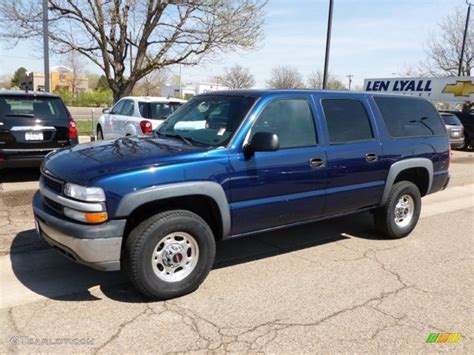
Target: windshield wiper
(183,138)
(19,115)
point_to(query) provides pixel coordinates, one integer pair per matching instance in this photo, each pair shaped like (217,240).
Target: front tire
(169,254)
(400,214)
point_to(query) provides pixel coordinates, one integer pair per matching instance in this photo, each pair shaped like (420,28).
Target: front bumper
(98,246)
(456,143)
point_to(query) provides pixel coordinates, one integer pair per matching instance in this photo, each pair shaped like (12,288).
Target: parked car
(467,119)
(133,116)
(455,130)
(32,124)
(155,206)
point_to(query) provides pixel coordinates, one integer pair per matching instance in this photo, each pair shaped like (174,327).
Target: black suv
(31,125)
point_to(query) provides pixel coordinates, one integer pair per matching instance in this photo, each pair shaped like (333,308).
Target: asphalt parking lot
(331,286)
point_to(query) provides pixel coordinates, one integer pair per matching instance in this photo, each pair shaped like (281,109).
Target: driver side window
(291,120)
(117,108)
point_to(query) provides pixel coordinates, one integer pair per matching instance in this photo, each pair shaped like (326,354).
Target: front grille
(57,207)
(53,184)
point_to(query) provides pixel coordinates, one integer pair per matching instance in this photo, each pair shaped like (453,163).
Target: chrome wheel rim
(175,256)
(404,211)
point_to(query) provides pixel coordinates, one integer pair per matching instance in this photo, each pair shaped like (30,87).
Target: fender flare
(130,129)
(210,189)
(405,164)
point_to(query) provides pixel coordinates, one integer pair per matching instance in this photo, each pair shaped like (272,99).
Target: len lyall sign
(454,88)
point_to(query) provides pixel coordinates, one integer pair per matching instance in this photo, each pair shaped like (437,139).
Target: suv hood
(86,162)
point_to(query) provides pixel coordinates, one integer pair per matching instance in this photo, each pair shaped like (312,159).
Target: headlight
(89,194)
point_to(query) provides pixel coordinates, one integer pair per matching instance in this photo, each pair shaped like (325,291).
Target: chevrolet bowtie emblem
(461,88)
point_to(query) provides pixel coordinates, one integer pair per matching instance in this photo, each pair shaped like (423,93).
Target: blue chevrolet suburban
(233,163)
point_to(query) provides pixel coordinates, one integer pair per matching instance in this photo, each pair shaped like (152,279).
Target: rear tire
(100,134)
(169,254)
(400,214)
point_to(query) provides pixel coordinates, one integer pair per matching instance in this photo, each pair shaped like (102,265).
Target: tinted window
(127,108)
(157,110)
(451,120)
(208,120)
(291,120)
(39,107)
(409,117)
(347,121)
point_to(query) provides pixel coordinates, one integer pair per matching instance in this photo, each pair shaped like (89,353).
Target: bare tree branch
(238,77)
(444,47)
(165,33)
(285,77)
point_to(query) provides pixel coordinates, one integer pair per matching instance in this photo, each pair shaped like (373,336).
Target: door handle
(316,163)
(370,157)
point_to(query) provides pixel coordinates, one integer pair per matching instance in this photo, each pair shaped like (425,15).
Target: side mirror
(106,110)
(262,142)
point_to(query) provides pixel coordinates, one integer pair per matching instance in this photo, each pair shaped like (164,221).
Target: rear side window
(347,121)
(157,110)
(409,117)
(291,120)
(29,106)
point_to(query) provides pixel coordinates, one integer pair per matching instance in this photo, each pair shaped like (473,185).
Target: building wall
(58,80)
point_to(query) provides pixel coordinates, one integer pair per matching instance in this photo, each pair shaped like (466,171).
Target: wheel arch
(206,199)
(416,170)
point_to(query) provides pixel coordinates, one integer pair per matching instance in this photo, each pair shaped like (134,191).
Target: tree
(285,77)
(19,74)
(238,77)
(75,65)
(444,47)
(315,81)
(151,84)
(102,84)
(161,33)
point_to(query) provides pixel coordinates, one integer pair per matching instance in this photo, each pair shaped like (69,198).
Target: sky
(370,39)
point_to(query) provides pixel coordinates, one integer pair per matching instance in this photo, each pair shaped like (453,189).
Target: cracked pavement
(331,286)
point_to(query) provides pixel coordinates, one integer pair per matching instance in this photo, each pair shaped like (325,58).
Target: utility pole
(464,37)
(328,45)
(46,46)
(131,54)
(180,83)
(349,76)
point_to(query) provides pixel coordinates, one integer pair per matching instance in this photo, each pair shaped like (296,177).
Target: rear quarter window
(408,117)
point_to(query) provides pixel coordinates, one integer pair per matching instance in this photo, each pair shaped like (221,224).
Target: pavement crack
(120,328)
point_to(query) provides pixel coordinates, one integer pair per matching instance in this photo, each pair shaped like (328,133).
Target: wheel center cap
(173,255)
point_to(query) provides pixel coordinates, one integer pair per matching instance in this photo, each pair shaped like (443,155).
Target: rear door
(33,122)
(354,155)
(285,186)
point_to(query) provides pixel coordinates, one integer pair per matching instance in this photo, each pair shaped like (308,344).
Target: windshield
(208,120)
(157,110)
(30,106)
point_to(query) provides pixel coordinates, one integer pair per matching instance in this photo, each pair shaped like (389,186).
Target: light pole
(349,76)
(46,46)
(328,45)
(469,4)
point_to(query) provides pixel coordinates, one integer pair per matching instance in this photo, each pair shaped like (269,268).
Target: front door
(287,186)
